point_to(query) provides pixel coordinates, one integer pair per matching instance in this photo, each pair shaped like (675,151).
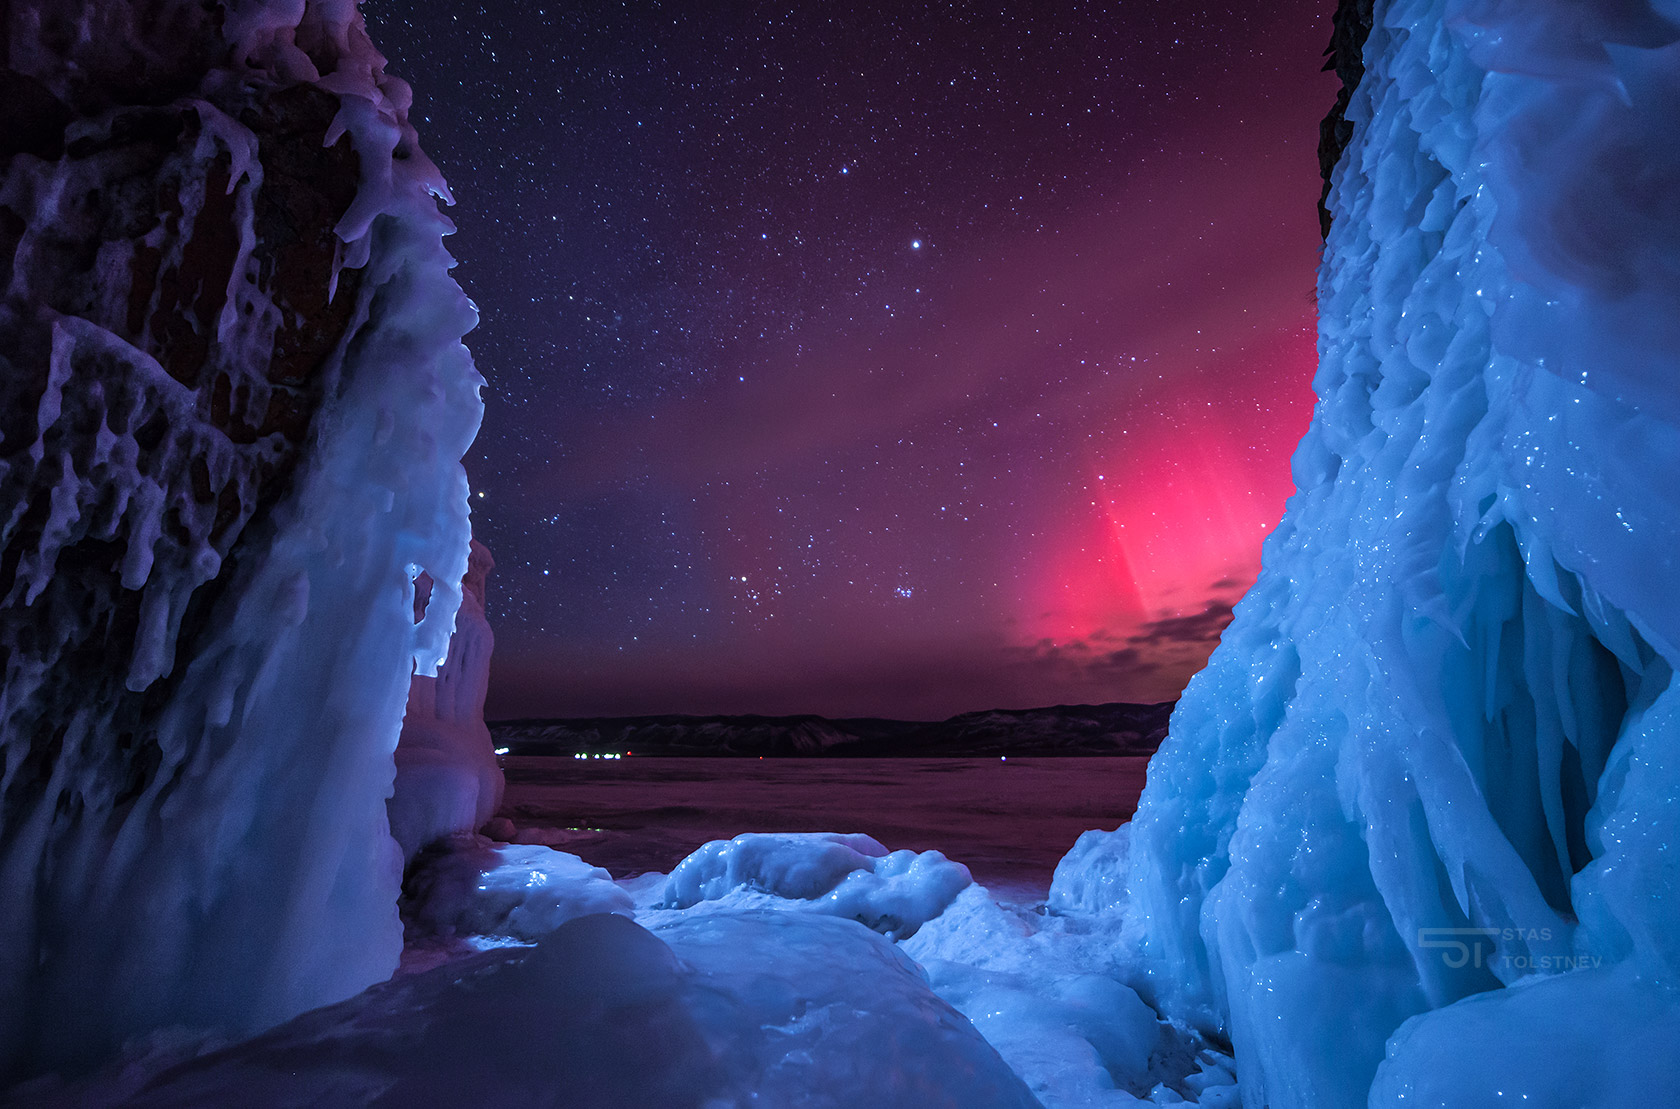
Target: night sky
(894,360)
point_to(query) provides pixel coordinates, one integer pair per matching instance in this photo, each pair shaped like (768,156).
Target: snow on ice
(758,994)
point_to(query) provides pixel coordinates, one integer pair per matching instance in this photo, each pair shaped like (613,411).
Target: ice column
(448,779)
(234,405)
(1418,821)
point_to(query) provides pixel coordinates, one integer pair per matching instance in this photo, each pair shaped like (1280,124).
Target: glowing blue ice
(1425,798)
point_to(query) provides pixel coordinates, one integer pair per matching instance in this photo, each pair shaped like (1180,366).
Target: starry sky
(894,359)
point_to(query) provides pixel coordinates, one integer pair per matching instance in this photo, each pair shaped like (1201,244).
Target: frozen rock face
(233,403)
(448,779)
(1427,791)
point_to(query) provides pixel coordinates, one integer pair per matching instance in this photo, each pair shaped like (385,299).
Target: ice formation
(1418,822)
(1044,987)
(233,404)
(518,891)
(1048,1000)
(559,986)
(1091,878)
(448,779)
(744,1009)
(848,875)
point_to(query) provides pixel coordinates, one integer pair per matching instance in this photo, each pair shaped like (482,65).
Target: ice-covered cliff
(1418,822)
(233,404)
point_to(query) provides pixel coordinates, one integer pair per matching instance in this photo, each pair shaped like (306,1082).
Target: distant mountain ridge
(1112,729)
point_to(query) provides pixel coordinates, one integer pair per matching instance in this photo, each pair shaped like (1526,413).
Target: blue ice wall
(1418,822)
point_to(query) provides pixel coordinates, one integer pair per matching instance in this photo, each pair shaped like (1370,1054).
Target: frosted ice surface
(478,888)
(763,1008)
(1596,1037)
(1430,769)
(1091,878)
(1085,1039)
(1046,989)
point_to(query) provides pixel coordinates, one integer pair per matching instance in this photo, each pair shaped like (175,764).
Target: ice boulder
(1091,878)
(1084,1037)
(448,779)
(469,886)
(763,1008)
(851,876)
(1599,1037)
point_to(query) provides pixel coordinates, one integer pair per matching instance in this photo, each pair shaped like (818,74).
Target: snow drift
(1424,802)
(234,404)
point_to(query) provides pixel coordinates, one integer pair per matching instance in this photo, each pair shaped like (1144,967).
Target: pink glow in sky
(877,359)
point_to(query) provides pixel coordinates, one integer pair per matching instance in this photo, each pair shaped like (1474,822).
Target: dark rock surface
(126,235)
(1345,56)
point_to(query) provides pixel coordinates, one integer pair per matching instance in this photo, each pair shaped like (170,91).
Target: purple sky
(897,360)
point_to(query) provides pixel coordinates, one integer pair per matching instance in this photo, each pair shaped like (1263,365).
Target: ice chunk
(767,1008)
(1091,878)
(905,890)
(1080,1039)
(472,887)
(787,864)
(852,876)
(1599,1038)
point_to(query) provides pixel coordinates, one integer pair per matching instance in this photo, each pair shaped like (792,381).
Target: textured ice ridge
(1421,810)
(235,404)
(848,875)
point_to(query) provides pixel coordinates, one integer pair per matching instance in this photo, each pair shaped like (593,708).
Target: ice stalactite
(448,779)
(1418,821)
(233,404)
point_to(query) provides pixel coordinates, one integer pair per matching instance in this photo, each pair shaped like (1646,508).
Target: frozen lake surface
(1009,822)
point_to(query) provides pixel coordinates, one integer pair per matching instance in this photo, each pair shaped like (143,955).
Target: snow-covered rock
(448,779)
(1427,783)
(233,404)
